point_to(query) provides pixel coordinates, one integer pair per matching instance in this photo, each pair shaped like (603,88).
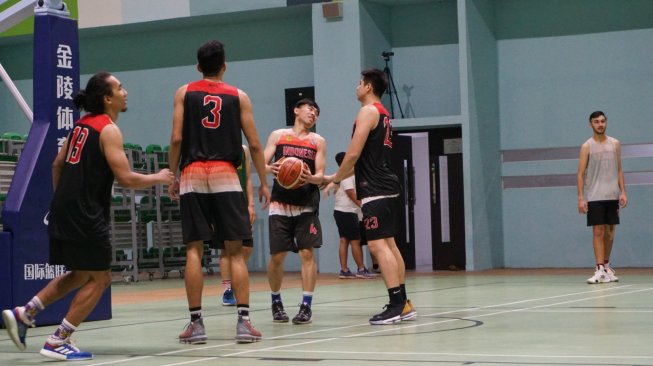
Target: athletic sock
(195,313)
(243,311)
(33,307)
(396,298)
(276,296)
(307,298)
(62,333)
(226,284)
(403,291)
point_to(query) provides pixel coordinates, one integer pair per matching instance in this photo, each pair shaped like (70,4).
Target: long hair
(91,99)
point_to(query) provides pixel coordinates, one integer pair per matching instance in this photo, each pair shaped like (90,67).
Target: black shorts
(603,213)
(380,218)
(361,230)
(348,225)
(212,203)
(305,228)
(81,256)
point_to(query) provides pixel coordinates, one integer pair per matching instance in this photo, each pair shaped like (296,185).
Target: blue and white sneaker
(346,274)
(17,323)
(66,351)
(228,298)
(365,273)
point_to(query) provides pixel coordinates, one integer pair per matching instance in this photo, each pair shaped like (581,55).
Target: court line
(461,354)
(381,330)
(276,349)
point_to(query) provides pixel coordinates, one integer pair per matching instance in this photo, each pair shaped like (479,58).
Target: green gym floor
(498,317)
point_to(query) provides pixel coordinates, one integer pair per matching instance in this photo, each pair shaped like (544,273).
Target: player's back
(211,127)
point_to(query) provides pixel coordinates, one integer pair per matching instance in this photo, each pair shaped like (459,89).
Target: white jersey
(601,176)
(343,202)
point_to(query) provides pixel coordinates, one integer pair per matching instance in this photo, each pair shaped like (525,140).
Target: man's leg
(309,269)
(88,295)
(608,239)
(275,278)
(228,298)
(387,262)
(58,345)
(357,253)
(390,272)
(275,271)
(598,240)
(342,253)
(238,270)
(194,333)
(245,332)
(309,278)
(193,276)
(17,320)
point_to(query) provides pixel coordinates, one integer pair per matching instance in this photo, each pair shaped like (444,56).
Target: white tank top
(601,176)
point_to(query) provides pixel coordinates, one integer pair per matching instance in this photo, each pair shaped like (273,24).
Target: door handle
(434,193)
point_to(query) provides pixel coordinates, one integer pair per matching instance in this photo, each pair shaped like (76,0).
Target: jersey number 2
(213,120)
(77,141)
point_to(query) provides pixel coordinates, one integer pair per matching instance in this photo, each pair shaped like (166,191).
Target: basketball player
(377,187)
(205,146)
(83,174)
(294,212)
(601,192)
(347,214)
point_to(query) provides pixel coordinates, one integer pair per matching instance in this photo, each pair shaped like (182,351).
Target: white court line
(379,331)
(460,354)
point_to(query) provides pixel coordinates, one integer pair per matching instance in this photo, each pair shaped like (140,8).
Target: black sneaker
(391,314)
(304,315)
(278,314)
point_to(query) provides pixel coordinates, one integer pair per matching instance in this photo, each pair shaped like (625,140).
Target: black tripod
(391,85)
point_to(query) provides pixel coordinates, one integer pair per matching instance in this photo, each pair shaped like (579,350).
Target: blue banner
(56,80)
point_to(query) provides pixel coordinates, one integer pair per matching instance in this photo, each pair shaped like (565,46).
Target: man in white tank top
(601,193)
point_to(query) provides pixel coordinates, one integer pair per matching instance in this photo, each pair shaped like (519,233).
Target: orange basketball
(290,172)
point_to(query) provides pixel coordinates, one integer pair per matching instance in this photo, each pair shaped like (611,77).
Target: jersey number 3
(213,120)
(77,141)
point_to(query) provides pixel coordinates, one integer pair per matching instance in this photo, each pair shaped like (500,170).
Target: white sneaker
(600,276)
(611,274)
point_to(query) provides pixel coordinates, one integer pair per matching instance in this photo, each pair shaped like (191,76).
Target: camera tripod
(391,85)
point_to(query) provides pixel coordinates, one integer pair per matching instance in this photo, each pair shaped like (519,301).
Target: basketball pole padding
(24,242)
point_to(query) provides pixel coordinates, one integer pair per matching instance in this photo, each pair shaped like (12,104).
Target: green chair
(153,148)
(12,136)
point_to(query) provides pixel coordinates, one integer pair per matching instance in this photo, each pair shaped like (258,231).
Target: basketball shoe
(278,313)
(228,298)
(64,351)
(245,332)
(611,274)
(17,322)
(409,312)
(304,315)
(390,314)
(194,333)
(600,276)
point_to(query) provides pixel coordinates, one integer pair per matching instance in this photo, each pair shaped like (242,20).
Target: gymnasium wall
(517,75)
(548,86)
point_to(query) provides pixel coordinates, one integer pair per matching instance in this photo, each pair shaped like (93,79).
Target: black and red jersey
(373,170)
(211,127)
(80,208)
(306,150)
